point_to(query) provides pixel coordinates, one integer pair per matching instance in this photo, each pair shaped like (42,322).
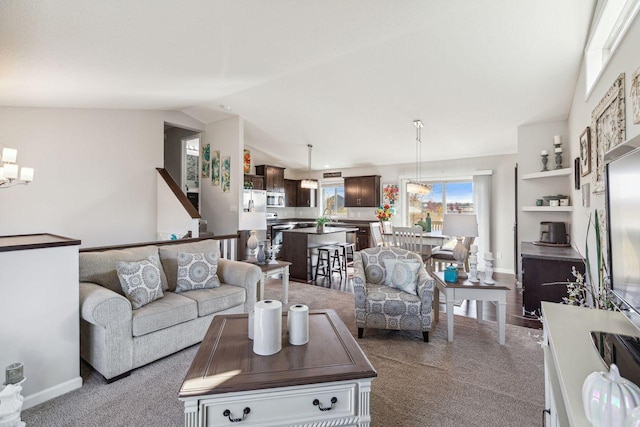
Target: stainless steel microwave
(275,200)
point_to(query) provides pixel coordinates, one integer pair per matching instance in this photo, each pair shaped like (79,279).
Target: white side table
(269,270)
(463,289)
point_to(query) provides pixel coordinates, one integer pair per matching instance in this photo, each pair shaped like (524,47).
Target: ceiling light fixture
(9,170)
(416,186)
(309,183)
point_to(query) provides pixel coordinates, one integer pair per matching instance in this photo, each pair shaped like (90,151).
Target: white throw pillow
(197,271)
(140,280)
(388,267)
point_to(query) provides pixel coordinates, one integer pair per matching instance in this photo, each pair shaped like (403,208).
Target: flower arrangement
(390,192)
(385,212)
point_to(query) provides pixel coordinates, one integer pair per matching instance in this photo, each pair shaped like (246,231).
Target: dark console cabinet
(545,272)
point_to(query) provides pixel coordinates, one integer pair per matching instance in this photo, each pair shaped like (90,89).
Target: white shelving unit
(547,208)
(548,174)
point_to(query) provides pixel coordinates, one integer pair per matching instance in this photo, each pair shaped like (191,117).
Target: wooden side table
(269,270)
(463,289)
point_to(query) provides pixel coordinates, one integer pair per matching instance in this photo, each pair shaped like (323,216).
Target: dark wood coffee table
(329,378)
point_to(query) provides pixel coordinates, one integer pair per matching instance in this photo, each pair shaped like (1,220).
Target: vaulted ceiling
(347,76)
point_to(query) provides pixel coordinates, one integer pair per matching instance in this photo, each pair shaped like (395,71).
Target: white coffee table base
(269,270)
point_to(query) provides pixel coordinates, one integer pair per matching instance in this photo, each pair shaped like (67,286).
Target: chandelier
(9,170)
(417,186)
(309,183)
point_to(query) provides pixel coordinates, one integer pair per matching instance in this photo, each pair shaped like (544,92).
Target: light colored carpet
(471,382)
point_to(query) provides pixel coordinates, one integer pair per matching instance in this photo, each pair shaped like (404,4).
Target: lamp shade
(463,225)
(253,221)
(9,155)
(309,184)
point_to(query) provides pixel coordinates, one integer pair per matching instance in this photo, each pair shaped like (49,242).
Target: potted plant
(320,222)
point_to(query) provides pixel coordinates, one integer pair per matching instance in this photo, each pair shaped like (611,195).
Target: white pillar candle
(488,255)
(557,140)
(544,152)
(474,249)
(559,150)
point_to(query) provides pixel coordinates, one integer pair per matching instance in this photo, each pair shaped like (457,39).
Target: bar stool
(311,251)
(327,257)
(347,248)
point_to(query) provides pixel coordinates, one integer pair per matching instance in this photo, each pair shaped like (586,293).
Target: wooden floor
(468,307)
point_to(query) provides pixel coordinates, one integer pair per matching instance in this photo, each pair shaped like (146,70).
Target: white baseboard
(51,392)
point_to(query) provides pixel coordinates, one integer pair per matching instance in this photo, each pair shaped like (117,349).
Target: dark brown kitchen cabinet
(362,191)
(256,181)
(306,198)
(273,176)
(291,192)
(362,238)
(545,274)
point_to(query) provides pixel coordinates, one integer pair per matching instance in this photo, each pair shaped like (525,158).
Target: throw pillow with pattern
(403,275)
(140,280)
(389,265)
(197,271)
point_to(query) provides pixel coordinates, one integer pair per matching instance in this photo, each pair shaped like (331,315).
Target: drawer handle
(317,403)
(245,412)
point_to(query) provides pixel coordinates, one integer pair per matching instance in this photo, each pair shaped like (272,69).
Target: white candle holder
(488,271)
(473,264)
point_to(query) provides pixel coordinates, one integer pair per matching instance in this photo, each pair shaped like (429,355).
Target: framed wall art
(206,160)
(608,129)
(247,161)
(585,152)
(635,96)
(225,174)
(215,168)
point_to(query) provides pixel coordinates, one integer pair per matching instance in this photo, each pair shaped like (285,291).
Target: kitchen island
(296,244)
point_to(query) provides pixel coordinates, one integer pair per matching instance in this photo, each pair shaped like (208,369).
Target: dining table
(429,240)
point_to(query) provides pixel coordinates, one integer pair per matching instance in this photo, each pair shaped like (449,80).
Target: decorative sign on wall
(206,160)
(215,168)
(608,127)
(247,161)
(332,175)
(225,174)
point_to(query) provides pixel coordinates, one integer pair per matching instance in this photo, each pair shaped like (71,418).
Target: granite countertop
(560,253)
(327,230)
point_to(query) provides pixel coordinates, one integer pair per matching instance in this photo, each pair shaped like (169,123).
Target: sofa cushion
(197,271)
(100,267)
(140,280)
(169,257)
(217,299)
(163,313)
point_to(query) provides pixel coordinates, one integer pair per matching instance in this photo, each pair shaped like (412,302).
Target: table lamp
(460,226)
(252,221)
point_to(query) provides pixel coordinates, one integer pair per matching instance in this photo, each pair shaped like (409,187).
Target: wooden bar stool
(347,249)
(327,258)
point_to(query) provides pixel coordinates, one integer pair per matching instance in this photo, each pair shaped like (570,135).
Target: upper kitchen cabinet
(291,193)
(273,176)
(362,191)
(307,198)
(256,182)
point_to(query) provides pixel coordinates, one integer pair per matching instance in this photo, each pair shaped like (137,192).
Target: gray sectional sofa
(115,339)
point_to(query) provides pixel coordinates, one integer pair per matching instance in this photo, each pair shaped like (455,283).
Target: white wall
(624,60)
(95,176)
(218,208)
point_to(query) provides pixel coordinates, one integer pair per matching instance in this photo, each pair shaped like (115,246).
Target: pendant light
(416,186)
(309,183)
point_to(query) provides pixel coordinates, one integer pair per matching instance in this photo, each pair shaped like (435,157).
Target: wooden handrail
(184,200)
(158,243)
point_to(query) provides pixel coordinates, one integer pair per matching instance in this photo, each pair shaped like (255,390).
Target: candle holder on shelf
(488,269)
(473,264)
(545,158)
(557,142)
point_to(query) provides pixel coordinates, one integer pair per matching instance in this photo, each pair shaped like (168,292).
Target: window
(438,198)
(610,24)
(333,198)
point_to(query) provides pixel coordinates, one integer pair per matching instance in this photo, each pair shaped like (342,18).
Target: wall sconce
(9,170)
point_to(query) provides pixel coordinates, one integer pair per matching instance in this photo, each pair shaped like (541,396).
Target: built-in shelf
(548,174)
(547,208)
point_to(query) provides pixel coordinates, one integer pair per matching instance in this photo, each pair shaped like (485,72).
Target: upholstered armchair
(381,306)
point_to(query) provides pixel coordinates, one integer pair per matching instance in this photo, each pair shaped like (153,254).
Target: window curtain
(482,203)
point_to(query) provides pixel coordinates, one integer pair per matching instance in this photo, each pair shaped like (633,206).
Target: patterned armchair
(383,307)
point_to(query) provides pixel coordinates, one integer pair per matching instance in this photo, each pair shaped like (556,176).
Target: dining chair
(376,234)
(409,238)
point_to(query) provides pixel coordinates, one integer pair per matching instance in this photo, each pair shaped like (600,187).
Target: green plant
(322,220)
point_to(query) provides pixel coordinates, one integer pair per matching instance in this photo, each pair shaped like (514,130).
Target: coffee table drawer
(286,406)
